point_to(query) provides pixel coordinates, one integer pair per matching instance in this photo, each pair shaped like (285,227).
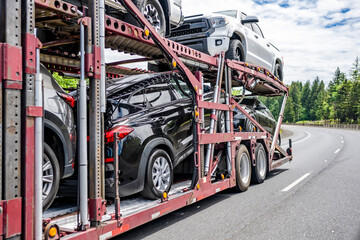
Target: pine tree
(320,108)
(312,107)
(305,101)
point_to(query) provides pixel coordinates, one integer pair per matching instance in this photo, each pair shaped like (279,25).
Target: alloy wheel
(161,174)
(152,15)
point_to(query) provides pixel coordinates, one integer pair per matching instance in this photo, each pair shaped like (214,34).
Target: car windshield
(230,13)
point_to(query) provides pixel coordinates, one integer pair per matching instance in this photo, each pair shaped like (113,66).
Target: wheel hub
(152,15)
(161,174)
(244,168)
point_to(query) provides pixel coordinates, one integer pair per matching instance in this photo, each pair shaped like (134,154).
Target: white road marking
(296,182)
(337,150)
(325,160)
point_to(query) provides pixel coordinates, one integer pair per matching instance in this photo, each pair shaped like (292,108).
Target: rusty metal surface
(12,102)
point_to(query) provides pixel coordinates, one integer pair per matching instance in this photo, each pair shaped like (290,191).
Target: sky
(314,37)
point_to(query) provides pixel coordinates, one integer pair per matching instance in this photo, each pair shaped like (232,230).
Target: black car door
(184,135)
(170,114)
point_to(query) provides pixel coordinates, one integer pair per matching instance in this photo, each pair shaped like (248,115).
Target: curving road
(316,196)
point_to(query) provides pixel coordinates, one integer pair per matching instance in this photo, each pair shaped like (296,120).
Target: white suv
(232,32)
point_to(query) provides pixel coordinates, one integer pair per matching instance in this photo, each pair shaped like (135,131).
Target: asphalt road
(316,196)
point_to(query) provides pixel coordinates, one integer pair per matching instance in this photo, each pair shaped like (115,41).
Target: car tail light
(122,130)
(67,98)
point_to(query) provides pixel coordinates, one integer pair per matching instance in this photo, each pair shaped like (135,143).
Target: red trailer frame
(106,221)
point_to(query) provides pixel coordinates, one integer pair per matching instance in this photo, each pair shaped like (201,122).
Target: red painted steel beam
(260,73)
(168,47)
(11,212)
(248,116)
(118,27)
(58,6)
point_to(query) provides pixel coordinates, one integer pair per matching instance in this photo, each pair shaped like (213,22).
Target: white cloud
(299,31)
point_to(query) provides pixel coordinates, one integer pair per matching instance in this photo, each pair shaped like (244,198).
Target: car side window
(138,98)
(183,86)
(158,95)
(248,25)
(257,29)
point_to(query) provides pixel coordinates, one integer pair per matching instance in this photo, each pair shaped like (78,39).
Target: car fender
(146,153)
(68,151)
(240,33)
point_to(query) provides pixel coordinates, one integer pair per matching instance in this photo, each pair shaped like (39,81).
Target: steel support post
(38,87)
(29,112)
(209,148)
(2,15)
(11,60)
(82,140)
(277,129)
(102,84)
(96,131)
(227,117)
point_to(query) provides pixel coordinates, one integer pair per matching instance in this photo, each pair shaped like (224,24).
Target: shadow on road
(276,172)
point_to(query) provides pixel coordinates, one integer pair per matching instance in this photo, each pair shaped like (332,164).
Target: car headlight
(217,22)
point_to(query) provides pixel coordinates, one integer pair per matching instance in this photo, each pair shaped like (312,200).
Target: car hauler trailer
(21,114)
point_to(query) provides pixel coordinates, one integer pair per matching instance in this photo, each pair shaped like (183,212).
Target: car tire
(235,51)
(159,175)
(51,173)
(260,169)
(221,122)
(242,169)
(249,125)
(278,71)
(149,8)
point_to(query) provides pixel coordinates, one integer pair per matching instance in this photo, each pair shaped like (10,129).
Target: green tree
(305,101)
(320,103)
(312,107)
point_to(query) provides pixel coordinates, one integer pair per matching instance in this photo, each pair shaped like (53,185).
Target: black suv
(153,117)
(59,137)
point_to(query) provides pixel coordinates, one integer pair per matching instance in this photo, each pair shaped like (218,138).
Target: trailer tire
(260,169)
(159,175)
(243,169)
(51,171)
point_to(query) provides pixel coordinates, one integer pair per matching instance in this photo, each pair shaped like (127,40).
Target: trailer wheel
(260,169)
(159,175)
(51,176)
(243,169)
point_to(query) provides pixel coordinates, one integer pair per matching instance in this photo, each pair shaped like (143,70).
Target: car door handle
(256,36)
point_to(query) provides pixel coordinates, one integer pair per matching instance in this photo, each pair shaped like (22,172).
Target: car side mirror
(250,19)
